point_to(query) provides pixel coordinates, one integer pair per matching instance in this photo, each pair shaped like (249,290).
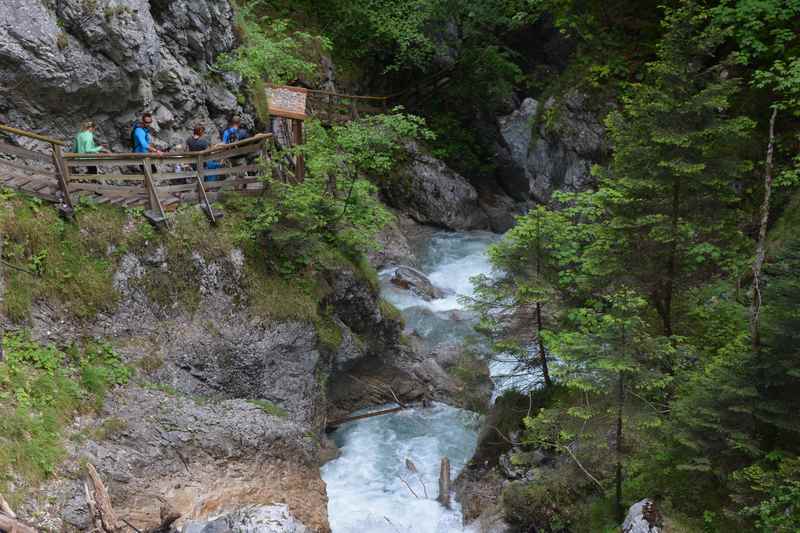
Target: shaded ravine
(370,487)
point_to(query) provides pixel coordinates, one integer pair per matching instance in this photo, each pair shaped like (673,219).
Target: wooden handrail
(31,135)
(215,150)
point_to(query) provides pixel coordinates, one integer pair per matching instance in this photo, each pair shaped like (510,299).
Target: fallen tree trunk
(8,520)
(101,502)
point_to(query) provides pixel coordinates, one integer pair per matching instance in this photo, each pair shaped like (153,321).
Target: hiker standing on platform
(84,143)
(231,133)
(141,136)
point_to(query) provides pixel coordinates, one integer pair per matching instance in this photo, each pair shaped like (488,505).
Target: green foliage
(57,260)
(41,389)
(334,211)
(270,50)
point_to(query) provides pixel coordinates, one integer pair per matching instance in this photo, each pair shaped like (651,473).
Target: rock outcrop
(202,457)
(65,61)
(549,146)
(414,281)
(432,193)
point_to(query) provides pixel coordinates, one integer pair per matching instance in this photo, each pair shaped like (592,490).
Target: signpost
(290,103)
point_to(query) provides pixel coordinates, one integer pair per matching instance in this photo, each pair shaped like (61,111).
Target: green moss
(329,333)
(390,312)
(275,298)
(270,408)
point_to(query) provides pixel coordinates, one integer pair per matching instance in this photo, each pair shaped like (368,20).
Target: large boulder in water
(415,281)
(432,193)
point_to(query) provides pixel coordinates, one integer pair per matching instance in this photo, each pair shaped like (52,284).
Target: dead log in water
(444,482)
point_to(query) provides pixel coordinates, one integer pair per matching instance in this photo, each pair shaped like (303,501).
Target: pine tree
(671,188)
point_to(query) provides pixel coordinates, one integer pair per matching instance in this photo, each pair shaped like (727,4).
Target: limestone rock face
(549,146)
(432,193)
(65,61)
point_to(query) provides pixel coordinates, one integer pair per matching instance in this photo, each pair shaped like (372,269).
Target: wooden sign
(288,102)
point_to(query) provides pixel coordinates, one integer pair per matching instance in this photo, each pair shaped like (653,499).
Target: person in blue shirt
(141,136)
(231,133)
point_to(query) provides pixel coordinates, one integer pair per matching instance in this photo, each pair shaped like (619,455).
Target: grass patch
(41,389)
(270,408)
(329,333)
(390,312)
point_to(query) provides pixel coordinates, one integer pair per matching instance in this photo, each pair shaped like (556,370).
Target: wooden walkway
(157,182)
(160,183)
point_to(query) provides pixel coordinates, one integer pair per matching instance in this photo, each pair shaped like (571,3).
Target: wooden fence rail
(158,182)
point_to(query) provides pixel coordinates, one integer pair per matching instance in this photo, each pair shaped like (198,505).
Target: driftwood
(8,520)
(100,502)
(444,482)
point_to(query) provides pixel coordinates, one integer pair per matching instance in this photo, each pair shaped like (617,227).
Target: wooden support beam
(204,203)
(62,175)
(156,212)
(300,164)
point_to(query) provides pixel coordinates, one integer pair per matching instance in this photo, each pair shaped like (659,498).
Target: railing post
(62,175)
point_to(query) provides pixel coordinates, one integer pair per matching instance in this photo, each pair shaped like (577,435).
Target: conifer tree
(671,189)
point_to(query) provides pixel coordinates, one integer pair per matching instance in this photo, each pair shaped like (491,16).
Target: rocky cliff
(65,61)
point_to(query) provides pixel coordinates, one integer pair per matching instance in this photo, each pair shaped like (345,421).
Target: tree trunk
(539,321)
(542,353)
(761,247)
(620,401)
(444,482)
(672,263)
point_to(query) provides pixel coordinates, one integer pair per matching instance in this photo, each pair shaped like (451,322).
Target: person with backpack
(84,143)
(140,136)
(197,143)
(231,133)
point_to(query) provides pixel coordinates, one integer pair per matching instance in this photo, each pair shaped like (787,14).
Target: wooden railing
(156,181)
(40,173)
(161,181)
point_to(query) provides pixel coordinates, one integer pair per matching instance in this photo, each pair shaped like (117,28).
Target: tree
(671,187)
(526,272)
(610,360)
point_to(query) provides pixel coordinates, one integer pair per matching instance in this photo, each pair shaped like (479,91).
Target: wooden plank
(107,177)
(224,171)
(210,185)
(24,153)
(104,162)
(100,188)
(26,168)
(228,154)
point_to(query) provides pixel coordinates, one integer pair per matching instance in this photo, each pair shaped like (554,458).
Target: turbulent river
(370,488)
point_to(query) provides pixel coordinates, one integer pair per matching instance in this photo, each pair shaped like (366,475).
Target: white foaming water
(369,486)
